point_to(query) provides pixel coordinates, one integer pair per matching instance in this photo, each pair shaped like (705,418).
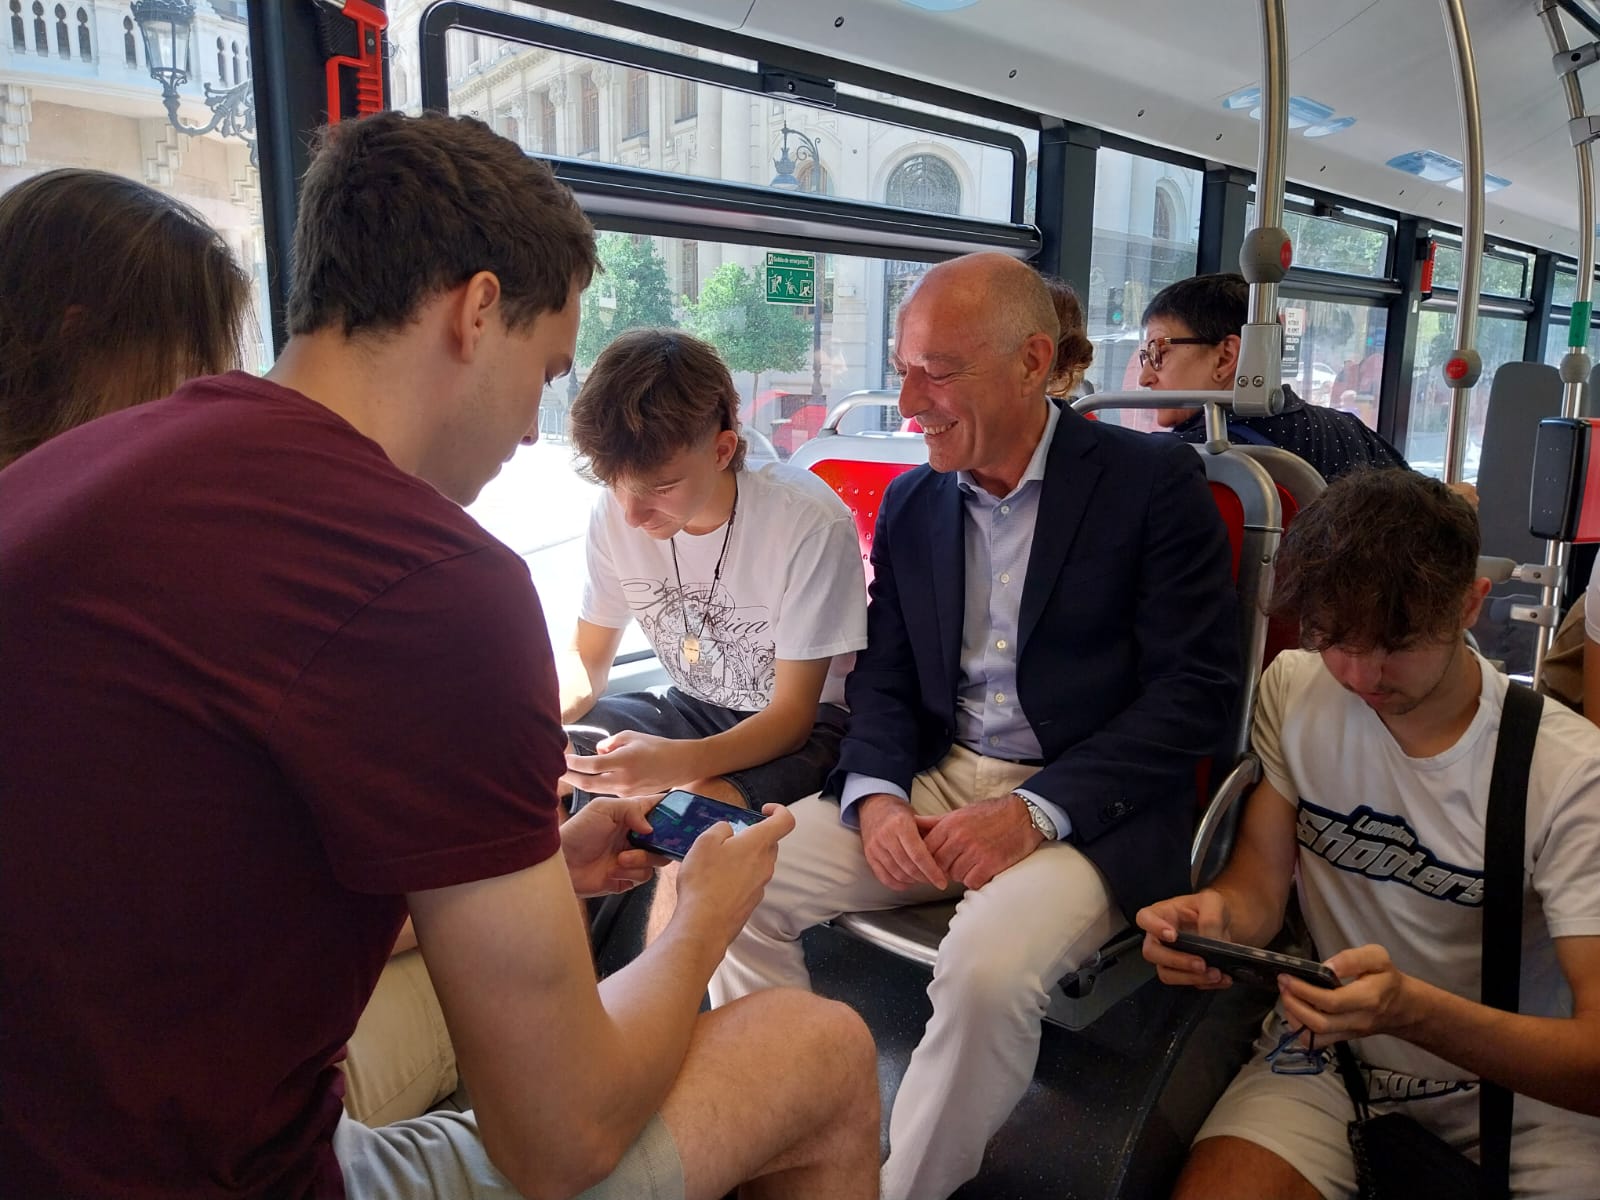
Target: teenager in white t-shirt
(748,584)
(1376,753)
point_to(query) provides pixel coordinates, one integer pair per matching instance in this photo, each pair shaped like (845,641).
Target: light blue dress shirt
(997,535)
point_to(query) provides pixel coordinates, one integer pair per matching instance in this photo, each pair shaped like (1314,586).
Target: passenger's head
(1074,350)
(396,209)
(657,422)
(1191,338)
(433,240)
(975,346)
(111,294)
(1381,573)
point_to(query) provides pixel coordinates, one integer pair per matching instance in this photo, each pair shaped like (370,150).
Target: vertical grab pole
(1266,254)
(1464,367)
(1575,365)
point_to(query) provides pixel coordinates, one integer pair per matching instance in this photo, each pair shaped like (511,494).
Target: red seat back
(860,485)
(1282,632)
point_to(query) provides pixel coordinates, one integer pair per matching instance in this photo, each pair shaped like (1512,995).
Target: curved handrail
(1216,406)
(1462,369)
(863,398)
(1575,365)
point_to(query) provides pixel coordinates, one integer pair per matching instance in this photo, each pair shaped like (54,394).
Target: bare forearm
(580,685)
(653,1004)
(1554,1059)
(769,734)
(1253,904)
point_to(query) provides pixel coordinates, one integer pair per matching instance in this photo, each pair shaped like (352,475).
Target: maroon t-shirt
(258,684)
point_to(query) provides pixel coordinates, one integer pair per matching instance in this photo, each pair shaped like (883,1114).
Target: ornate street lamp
(788,181)
(166,26)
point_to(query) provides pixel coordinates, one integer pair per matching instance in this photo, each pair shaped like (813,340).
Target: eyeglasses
(1153,350)
(1289,1057)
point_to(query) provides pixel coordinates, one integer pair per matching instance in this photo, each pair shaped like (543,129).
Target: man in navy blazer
(1051,651)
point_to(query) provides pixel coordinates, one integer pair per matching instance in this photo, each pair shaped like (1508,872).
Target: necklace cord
(716,574)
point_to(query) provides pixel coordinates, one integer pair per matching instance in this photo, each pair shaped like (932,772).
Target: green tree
(750,334)
(632,293)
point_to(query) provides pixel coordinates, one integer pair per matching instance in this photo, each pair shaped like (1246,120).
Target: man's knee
(816,1034)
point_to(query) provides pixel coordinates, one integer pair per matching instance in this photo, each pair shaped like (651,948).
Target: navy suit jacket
(1128,662)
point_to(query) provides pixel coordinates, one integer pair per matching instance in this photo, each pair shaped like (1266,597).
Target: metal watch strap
(1041,819)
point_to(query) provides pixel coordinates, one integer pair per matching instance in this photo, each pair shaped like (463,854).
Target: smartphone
(584,738)
(682,816)
(1248,964)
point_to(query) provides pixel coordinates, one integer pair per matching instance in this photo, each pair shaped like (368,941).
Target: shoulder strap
(1504,843)
(1354,1083)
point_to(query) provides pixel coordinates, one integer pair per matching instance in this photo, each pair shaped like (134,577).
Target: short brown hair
(398,209)
(651,394)
(111,294)
(1382,559)
(1074,350)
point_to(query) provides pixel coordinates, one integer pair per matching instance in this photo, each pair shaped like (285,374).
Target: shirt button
(1005,577)
(994,741)
(999,697)
(1000,645)
(1005,508)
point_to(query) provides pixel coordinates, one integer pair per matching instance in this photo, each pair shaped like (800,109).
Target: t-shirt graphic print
(791,588)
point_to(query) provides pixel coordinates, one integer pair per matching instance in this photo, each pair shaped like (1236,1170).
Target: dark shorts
(671,713)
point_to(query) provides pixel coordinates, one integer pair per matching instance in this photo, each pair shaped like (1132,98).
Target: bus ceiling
(1167,74)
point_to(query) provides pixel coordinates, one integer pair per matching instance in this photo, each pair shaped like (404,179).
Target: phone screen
(683,816)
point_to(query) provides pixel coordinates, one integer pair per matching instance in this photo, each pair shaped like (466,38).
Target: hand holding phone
(1248,964)
(680,817)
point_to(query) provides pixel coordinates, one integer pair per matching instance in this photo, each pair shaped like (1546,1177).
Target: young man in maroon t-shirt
(271,690)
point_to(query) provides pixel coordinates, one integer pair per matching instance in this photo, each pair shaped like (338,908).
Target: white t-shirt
(1591,604)
(1391,847)
(792,587)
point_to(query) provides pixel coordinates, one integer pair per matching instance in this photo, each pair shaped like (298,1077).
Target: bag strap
(1354,1082)
(1504,843)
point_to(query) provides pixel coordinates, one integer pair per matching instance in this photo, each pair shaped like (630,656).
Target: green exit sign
(791,278)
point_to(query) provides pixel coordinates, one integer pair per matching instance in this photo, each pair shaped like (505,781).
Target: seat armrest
(1221,814)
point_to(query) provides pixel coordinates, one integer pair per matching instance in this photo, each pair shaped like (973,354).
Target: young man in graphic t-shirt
(1377,747)
(748,584)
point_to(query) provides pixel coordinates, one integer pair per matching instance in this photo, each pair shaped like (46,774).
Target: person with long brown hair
(1074,350)
(113,294)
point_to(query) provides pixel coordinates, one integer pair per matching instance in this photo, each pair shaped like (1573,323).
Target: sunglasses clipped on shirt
(1151,353)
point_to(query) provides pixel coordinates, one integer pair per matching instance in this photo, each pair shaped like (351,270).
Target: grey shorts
(672,713)
(439,1154)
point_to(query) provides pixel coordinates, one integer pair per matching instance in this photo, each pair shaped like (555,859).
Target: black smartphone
(584,738)
(682,816)
(1247,964)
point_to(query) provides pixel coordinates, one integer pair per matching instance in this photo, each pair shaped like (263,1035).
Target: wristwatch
(1041,819)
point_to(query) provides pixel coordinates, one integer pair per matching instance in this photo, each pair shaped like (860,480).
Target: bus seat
(859,467)
(1249,505)
(1298,484)
(1522,394)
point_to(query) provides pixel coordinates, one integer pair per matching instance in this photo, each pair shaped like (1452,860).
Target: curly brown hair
(651,394)
(1074,350)
(1382,559)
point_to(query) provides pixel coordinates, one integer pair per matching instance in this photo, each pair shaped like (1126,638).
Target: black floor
(1111,1108)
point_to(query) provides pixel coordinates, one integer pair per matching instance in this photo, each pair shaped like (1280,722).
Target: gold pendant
(691,650)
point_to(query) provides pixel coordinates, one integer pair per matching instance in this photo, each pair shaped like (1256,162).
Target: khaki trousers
(1009,942)
(399,1062)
